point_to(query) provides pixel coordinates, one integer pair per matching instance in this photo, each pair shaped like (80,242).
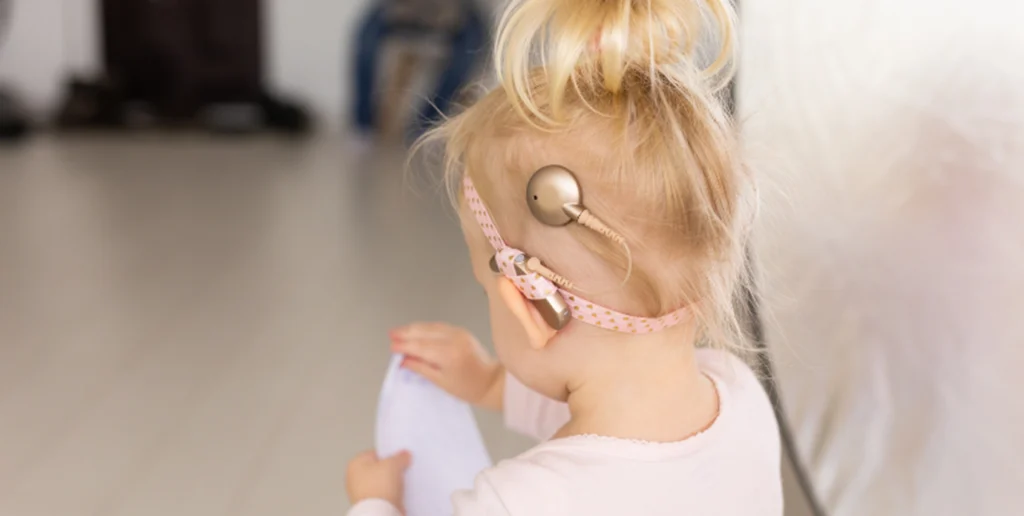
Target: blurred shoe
(285,115)
(13,120)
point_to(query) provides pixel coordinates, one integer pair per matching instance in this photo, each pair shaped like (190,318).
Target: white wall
(308,55)
(310,52)
(45,38)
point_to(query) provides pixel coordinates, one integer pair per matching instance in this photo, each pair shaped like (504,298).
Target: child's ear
(537,330)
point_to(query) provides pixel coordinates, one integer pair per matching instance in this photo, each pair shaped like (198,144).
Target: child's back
(732,468)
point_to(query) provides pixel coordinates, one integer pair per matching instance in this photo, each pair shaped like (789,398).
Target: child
(607,157)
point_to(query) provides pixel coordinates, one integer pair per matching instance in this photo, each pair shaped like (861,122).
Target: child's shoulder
(746,419)
(724,363)
(732,374)
(599,475)
(740,387)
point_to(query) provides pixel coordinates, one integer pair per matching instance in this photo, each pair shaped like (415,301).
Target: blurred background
(207,229)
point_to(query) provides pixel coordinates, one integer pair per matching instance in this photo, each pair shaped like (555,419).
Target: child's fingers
(423,331)
(362,460)
(434,352)
(422,368)
(399,461)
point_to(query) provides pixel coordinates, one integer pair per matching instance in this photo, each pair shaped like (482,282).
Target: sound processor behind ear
(555,199)
(554,196)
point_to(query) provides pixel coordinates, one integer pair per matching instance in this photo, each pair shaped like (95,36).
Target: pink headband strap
(533,286)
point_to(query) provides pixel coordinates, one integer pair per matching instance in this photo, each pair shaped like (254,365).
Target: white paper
(438,430)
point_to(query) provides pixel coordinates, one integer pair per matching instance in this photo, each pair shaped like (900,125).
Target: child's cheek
(506,332)
(480,252)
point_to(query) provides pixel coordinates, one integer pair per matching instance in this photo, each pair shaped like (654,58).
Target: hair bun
(597,44)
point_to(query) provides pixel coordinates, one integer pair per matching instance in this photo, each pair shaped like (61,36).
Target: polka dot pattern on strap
(533,286)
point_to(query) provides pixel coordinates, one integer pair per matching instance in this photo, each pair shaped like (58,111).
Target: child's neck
(648,388)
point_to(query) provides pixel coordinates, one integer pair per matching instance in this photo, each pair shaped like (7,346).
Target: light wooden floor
(197,327)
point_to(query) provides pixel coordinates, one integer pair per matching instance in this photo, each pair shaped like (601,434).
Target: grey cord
(768,374)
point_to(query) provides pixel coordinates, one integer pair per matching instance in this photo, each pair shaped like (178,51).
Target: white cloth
(888,138)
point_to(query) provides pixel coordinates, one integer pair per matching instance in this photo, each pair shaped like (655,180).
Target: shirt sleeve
(530,413)
(483,500)
(374,508)
(514,488)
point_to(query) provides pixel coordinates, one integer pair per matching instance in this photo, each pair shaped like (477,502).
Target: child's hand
(370,478)
(454,360)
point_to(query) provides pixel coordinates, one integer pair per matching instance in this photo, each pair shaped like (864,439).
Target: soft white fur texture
(889,141)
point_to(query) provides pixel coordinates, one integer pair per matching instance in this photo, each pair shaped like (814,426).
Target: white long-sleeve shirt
(730,469)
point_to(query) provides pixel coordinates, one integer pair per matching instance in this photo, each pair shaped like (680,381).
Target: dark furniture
(180,55)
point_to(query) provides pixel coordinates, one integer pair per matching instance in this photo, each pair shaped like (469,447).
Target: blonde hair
(626,93)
